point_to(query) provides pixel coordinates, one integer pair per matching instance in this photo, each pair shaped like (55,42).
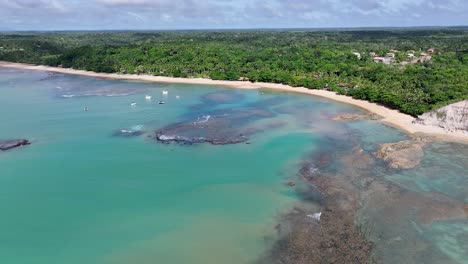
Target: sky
(227,14)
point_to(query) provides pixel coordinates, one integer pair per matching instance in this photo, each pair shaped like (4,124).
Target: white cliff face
(453,117)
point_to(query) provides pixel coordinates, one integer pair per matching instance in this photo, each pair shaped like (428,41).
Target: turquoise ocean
(89,190)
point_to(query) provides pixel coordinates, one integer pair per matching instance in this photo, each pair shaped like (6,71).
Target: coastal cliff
(453,117)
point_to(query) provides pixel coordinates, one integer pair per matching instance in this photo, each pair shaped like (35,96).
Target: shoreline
(390,116)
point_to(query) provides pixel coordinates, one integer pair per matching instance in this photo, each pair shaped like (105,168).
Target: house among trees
(358,55)
(384,60)
(378,59)
(372,54)
(390,55)
(431,50)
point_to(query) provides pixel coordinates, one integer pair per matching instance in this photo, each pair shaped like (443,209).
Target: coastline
(390,116)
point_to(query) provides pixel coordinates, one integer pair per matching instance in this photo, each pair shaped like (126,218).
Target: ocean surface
(96,186)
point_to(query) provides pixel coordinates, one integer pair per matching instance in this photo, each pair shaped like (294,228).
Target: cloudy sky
(215,14)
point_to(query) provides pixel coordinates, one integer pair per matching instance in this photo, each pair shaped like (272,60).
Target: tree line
(313,59)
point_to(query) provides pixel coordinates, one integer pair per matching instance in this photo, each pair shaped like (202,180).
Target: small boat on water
(177,97)
(133,104)
(165,92)
(148,97)
(161,102)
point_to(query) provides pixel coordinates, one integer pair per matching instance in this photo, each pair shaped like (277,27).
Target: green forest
(341,61)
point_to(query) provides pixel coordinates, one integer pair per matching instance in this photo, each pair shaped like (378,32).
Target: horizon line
(234,29)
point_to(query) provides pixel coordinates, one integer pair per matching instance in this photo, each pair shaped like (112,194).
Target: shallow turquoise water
(79,194)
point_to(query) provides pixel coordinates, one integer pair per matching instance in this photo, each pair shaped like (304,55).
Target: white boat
(133,104)
(165,92)
(177,97)
(161,102)
(148,97)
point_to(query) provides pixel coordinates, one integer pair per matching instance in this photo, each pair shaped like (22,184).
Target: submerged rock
(331,234)
(13,143)
(222,97)
(359,207)
(218,128)
(291,184)
(326,237)
(406,154)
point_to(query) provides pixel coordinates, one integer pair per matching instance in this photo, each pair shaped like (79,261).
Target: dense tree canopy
(314,59)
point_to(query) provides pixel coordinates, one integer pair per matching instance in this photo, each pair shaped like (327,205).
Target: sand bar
(390,116)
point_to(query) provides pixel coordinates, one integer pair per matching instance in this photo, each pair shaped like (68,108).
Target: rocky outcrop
(453,117)
(220,127)
(13,143)
(406,154)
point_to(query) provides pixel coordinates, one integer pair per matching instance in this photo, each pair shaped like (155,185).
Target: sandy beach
(390,116)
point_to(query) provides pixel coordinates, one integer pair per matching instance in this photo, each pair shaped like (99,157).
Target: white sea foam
(165,138)
(137,127)
(203,119)
(315,216)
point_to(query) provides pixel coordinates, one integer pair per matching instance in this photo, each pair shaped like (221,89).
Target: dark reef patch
(306,240)
(222,97)
(218,127)
(365,218)
(334,236)
(206,124)
(13,143)
(217,98)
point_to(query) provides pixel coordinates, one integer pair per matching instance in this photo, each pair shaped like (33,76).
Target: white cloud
(167,14)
